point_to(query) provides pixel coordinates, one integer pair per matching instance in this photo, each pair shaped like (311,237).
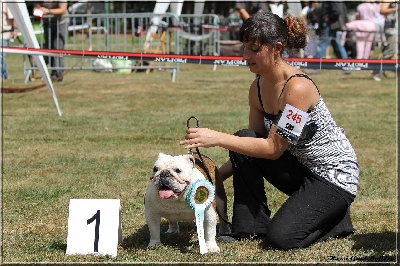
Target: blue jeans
(327,37)
(4,70)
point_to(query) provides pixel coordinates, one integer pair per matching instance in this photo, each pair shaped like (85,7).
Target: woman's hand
(200,137)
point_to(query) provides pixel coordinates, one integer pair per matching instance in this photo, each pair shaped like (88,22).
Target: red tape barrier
(312,63)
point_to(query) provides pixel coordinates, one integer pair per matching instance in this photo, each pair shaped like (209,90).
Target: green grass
(112,129)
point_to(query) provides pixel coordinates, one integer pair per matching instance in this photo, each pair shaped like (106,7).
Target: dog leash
(197,148)
(202,161)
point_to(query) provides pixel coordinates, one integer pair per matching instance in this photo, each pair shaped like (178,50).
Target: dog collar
(200,196)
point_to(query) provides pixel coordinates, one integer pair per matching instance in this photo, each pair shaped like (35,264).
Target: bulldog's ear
(161,155)
(190,159)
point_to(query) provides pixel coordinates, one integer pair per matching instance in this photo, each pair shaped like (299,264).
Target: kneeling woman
(292,141)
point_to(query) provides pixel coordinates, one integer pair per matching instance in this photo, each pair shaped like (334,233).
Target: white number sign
(94,227)
(291,123)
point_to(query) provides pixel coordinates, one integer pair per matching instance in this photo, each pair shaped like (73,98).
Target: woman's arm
(62,8)
(244,15)
(386,9)
(269,148)
(300,93)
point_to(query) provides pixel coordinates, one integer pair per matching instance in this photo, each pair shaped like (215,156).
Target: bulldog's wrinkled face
(172,175)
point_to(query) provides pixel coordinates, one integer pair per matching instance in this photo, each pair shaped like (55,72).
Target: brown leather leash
(203,162)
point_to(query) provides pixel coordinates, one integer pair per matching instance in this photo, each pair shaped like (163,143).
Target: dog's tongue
(165,194)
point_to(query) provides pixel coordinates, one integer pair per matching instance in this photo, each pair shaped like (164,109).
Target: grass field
(112,129)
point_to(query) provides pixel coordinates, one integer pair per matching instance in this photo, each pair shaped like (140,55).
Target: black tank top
(269,119)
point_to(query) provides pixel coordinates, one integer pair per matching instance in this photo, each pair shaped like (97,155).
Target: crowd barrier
(310,63)
(197,34)
(132,33)
(168,39)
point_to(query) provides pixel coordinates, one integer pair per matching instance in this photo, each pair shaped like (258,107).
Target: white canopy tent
(20,12)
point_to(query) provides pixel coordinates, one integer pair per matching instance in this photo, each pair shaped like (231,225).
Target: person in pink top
(370,10)
(364,32)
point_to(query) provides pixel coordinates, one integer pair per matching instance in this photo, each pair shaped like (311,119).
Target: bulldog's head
(172,175)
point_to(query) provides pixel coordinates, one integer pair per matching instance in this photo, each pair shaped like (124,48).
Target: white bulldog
(165,197)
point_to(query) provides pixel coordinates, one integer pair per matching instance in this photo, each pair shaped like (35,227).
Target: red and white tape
(313,63)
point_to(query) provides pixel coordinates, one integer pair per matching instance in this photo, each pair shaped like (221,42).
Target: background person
(364,32)
(332,17)
(8,32)
(309,16)
(278,7)
(390,49)
(55,32)
(292,141)
(248,8)
(370,11)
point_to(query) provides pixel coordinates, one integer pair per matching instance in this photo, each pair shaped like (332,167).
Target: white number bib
(291,123)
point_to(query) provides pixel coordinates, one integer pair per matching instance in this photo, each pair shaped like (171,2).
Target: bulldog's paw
(154,243)
(212,246)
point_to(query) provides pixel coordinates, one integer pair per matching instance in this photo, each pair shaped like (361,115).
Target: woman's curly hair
(268,28)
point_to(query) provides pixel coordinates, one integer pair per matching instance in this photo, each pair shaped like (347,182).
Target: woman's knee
(285,238)
(280,236)
(277,239)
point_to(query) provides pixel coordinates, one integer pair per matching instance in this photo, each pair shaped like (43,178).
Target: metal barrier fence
(143,33)
(134,33)
(197,35)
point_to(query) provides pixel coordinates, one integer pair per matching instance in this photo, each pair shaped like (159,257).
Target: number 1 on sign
(96,218)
